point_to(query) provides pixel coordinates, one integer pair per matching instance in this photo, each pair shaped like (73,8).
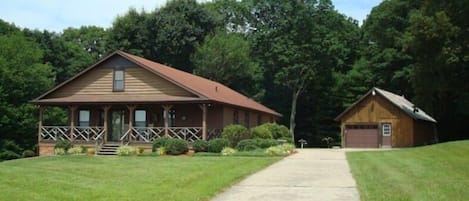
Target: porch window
(246,119)
(235,117)
(118,80)
(140,118)
(84,118)
(387,129)
(172,118)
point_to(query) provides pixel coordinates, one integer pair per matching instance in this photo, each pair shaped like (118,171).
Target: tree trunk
(293,114)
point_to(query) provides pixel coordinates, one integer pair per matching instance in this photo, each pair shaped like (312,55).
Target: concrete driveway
(311,174)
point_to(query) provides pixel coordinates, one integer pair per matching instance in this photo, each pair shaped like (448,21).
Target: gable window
(387,129)
(140,118)
(246,119)
(84,118)
(235,117)
(118,84)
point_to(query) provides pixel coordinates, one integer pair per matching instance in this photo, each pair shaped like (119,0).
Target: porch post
(204,121)
(166,120)
(106,118)
(41,113)
(131,109)
(72,114)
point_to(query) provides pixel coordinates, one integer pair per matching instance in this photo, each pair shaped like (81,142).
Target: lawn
(437,172)
(123,178)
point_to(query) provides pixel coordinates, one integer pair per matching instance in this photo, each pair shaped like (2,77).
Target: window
(259,119)
(246,119)
(235,117)
(118,80)
(140,118)
(387,129)
(172,118)
(84,118)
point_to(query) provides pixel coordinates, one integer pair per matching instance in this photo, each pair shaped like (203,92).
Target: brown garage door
(361,136)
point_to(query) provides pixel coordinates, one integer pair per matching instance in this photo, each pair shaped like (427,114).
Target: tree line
(301,58)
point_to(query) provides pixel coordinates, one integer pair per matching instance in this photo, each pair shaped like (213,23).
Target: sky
(56,15)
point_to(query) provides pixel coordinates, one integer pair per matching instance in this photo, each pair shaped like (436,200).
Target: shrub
(90,151)
(28,153)
(159,142)
(126,150)
(84,149)
(200,146)
(176,146)
(161,151)
(261,132)
(227,151)
(247,145)
(266,143)
(285,140)
(288,147)
(216,145)
(140,150)
(235,133)
(64,144)
(278,131)
(59,151)
(74,150)
(280,150)
(8,155)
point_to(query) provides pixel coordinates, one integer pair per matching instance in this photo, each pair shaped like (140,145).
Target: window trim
(79,118)
(114,80)
(145,122)
(385,130)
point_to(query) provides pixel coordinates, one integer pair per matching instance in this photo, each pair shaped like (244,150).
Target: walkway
(311,174)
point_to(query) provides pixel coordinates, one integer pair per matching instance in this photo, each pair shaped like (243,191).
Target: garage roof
(405,105)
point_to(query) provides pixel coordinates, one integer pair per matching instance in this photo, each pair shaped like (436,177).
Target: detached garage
(383,119)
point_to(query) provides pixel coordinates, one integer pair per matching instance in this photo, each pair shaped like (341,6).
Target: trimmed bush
(176,146)
(216,145)
(261,132)
(140,150)
(247,145)
(280,150)
(161,151)
(126,151)
(90,151)
(278,131)
(84,149)
(227,151)
(159,142)
(235,133)
(28,153)
(266,143)
(75,150)
(200,146)
(8,155)
(64,144)
(59,151)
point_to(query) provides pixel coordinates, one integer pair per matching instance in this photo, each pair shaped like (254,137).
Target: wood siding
(377,110)
(137,81)
(424,133)
(228,116)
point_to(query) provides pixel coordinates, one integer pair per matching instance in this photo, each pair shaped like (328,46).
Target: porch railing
(88,133)
(189,134)
(54,133)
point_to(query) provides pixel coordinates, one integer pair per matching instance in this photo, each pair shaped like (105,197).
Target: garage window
(387,129)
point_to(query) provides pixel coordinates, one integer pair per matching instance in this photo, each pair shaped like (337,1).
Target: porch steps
(108,149)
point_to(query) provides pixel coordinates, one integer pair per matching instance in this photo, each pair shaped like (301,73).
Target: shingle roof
(399,101)
(205,89)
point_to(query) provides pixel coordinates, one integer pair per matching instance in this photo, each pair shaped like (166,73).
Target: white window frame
(118,84)
(84,115)
(140,122)
(386,129)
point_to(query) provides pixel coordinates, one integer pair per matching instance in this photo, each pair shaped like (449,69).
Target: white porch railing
(146,134)
(88,133)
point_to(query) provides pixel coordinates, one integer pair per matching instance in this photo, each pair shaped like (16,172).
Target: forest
(302,58)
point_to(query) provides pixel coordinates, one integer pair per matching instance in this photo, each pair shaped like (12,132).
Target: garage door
(361,136)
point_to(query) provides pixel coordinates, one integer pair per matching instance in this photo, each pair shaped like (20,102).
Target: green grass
(437,172)
(123,178)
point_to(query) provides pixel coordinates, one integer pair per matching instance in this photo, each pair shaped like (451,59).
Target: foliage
(217,144)
(161,151)
(175,146)
(266,143)
(91,151)
(133,172)
(59,151)
(261,132)
(280,150)
(247,145)
(200,146)
(8,155)
(159,142)
(421,168)
(64,144)
(75,150)
(140,150)
(28,153)
(235,133)
(278,131)
(84,149)
(126,151)
(228,151)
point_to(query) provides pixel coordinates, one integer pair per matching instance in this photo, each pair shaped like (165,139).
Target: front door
(117,125)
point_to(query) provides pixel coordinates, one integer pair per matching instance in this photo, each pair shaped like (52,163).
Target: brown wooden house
(126,99)
(383,119)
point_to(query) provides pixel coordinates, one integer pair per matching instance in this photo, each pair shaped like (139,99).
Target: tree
(225,57)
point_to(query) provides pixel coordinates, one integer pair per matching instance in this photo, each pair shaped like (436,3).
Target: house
(383,119)
(126,99)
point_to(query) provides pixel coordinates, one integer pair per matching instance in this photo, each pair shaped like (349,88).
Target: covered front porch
(132,123)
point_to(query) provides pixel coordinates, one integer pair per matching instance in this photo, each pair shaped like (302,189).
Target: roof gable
(399,101)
